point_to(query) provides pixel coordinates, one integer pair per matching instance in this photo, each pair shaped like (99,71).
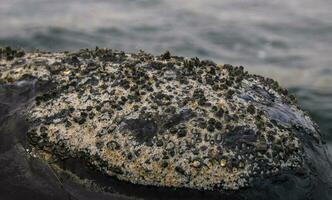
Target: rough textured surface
(162,120)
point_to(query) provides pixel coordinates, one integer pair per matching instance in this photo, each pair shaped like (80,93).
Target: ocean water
(290,41)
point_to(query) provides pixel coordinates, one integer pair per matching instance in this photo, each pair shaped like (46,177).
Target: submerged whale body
(171,122)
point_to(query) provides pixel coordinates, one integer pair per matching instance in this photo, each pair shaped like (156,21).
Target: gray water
(290,41)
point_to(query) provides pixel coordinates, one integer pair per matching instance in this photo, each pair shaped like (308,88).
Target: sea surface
(290,41)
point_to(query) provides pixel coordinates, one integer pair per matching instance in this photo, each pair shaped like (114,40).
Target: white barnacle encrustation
(163,120)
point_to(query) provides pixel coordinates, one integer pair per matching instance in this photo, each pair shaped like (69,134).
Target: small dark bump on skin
(251,109)
(182,133)
(142,129)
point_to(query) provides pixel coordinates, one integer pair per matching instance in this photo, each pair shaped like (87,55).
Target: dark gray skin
(309,178)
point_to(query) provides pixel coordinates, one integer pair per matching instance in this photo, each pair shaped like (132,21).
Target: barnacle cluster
(162,120)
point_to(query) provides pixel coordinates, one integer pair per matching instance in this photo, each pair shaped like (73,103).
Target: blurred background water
(290,41)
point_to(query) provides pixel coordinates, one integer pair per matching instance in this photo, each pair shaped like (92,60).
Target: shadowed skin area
(164,120)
